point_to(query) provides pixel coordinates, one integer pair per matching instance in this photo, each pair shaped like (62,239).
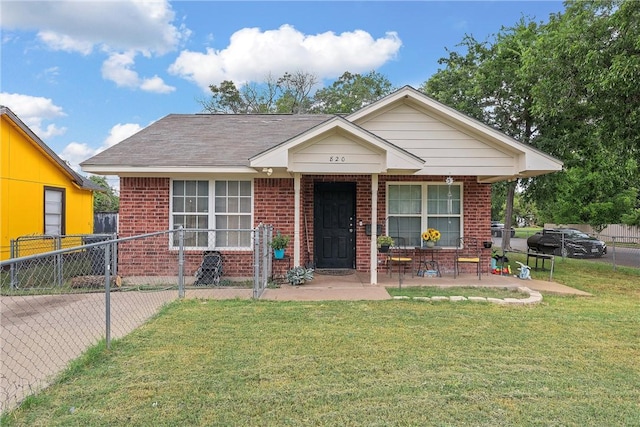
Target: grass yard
(570,361)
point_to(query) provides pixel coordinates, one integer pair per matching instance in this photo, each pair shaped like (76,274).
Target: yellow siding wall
(24,172)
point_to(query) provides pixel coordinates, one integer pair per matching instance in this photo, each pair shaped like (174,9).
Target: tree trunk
(506,233)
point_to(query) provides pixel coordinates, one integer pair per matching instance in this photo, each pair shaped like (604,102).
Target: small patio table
(424,261)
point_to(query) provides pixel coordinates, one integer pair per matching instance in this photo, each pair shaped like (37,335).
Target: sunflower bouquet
(431,235)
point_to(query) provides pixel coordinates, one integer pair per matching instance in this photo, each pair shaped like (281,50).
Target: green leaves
(107,200)
(569,87)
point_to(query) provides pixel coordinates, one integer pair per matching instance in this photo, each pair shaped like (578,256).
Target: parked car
(567,242)
(497,228)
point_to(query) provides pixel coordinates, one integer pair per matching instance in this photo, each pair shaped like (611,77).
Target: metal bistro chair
(467,252)
(401,256)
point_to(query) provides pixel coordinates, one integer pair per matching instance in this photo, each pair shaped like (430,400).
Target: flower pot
(384,248)
(278,253)
(487,244)
(429,243)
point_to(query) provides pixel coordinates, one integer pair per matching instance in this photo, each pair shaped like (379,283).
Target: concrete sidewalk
(356,286)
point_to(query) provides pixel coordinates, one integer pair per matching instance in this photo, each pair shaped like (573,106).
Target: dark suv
(497,228)
(567,242)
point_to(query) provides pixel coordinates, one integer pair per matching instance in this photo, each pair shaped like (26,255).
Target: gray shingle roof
(205,139)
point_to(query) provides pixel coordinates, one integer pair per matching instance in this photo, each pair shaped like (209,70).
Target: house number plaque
(337,159)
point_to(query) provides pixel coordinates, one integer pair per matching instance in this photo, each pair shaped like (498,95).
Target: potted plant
(278,243)
(384,242)
(431,237)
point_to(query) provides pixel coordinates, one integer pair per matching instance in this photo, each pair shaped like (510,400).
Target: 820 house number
(337,159)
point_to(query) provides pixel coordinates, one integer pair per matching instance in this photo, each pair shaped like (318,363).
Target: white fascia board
(166,170)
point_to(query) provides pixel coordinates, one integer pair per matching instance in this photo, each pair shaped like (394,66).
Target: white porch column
(374,229)
(296,222)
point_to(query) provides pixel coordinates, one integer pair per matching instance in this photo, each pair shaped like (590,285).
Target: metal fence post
(180,262)
(58,261)
(256,261)
(614,252)
(266,252)
(107,287)
(14,276)
(114,255)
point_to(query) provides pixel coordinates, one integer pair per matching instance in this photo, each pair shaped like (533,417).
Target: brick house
(405,163)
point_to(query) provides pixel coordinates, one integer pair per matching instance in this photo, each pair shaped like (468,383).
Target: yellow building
(40,193)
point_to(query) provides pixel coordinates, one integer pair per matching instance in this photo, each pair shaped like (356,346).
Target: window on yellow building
(54,200)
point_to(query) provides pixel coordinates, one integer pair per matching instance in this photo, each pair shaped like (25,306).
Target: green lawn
(570,361)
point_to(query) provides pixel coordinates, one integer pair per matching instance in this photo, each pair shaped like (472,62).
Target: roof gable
(75,177)
(337,146)
(450,142)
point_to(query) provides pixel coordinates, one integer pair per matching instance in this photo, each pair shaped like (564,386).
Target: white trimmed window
(414,207)
(54,209)
(222,209)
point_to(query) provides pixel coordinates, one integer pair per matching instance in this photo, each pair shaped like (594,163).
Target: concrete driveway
(40,335)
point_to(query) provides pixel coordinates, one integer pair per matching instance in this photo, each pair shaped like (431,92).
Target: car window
(576,234)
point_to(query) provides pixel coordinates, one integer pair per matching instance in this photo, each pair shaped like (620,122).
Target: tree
(287,94)
(107,200)
(569,88)
(588,65)
(296,89)
(225,98)
(351,92)
(488,83)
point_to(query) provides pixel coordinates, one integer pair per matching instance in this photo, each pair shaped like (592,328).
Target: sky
(84,75)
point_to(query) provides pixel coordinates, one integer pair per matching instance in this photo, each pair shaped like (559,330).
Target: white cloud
(118,133)
(65,43)
(117,68)
(33,111)
(252,54)
(157,85)
(77,152)
(129,27)
(121,25)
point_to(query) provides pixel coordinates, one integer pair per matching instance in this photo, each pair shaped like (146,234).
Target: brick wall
(144,208)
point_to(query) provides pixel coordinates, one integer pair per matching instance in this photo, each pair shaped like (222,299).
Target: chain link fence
(55,305)
(622,244)
(623,250)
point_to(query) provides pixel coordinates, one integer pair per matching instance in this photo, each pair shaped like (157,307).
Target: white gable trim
(520,160)
(338,146)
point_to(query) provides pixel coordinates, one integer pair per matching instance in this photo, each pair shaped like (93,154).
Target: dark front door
(334,221)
